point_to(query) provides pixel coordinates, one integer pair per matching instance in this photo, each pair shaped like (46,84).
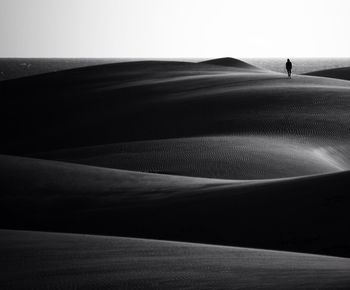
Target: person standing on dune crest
(289,68)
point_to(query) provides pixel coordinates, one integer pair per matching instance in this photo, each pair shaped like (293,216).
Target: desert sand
(219,152)
(337,73)
(98,262)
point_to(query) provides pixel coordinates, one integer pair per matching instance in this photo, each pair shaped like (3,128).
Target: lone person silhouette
(289,68)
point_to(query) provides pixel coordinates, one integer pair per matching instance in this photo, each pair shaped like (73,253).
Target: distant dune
(217,152)
(11,68)
(230,62)
(92,262)
(336,73)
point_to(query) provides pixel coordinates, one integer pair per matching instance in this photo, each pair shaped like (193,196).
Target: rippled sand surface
(92,262)
(219,152)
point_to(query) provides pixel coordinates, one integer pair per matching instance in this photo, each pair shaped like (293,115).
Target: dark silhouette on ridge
(289,68)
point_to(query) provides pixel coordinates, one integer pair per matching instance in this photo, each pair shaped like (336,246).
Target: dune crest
(226,157)
(58,196)
(230,62)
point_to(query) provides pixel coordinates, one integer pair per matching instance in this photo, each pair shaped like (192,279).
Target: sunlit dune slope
(157,100)
(308,214)
(229,157)
(99,262)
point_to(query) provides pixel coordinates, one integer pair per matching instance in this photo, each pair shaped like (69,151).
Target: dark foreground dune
(93,262)
(305,214)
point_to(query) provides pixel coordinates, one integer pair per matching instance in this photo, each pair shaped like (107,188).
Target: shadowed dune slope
(336,73)
(99,262)
(229,122)
(156,100)
(308,214)
(28,177)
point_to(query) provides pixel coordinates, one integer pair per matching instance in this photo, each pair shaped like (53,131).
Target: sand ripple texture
(193,119)
(92,262)
(217,153)
(226,157)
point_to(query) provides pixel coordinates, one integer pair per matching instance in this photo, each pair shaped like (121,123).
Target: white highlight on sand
(325,154)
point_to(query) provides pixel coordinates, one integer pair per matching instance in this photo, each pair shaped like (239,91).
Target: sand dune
(307,214)
(157,100)
(220,121)
(336,73)
(228,157)
(28,177)
(226,122)
(93,262)
(244,157)
(231,62)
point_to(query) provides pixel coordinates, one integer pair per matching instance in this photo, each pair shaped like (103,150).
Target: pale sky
(178,28)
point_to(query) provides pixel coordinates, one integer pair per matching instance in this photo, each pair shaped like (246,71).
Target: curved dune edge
(213,65)
(21,175)
(229,62)
(336,73)
(144,101)
(65,261)
(159,100)
(305,214)
(245,157)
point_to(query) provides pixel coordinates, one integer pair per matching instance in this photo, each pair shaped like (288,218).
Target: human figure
(289,68)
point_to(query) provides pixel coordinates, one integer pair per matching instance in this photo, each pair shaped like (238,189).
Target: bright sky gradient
(174,28)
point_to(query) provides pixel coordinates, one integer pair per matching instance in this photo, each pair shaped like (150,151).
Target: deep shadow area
(336,73)
(308,214)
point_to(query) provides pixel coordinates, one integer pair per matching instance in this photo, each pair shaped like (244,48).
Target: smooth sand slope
(231,121)
(230,157)
(92,262)
(336,73)
(157,100)
(307,214)
(230,62)
(260,117)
